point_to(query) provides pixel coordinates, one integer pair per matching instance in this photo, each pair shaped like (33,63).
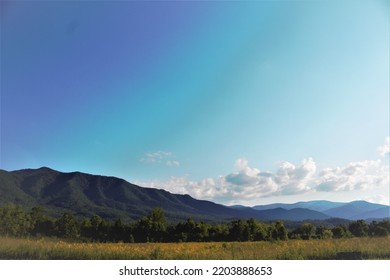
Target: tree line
(16,222)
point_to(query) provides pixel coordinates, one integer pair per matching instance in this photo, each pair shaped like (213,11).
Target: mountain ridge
(317,205)
(111,197)
(354,210)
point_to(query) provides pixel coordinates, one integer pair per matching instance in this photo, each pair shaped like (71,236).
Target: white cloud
(355,176)
(385,148)
(248,183)
(160,157)
(245,175)
(293,179)
(289,179)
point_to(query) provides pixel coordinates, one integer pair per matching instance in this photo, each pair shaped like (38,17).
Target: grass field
(356,248)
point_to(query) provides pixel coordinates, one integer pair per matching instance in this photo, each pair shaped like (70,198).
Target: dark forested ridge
(111,198)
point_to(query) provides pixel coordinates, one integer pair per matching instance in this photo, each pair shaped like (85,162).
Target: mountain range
(112,198)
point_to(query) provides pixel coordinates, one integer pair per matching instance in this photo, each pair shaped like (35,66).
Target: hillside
(109,197)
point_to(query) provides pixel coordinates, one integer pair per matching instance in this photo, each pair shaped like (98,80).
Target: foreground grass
(363,248)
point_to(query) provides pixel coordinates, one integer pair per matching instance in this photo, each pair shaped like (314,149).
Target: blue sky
(237,102)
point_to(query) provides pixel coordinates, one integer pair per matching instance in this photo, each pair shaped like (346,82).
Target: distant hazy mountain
(347,210)
(296,214)
(112,198)
(383,212)
(359,210)
(316,205)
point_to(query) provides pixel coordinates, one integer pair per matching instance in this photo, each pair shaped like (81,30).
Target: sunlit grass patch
(359,248)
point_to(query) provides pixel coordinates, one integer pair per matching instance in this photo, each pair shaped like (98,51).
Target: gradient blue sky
(237,102)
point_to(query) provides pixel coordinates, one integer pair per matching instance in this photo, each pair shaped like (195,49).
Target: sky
(237,102)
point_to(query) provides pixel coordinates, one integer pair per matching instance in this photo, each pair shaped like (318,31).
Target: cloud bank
(248,183)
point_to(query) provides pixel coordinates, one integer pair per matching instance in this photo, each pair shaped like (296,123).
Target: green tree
(239,231)
(152,228)
(67,226)
(323,233)
(257,230)
(119,232)
(378,229)
(340,231)
(14,221)
(189,229)
(385,224)
(219,232)
(202,230)
(178,232)
(41,224)
(158,224)
(96,222)
(278,231)
(307,231)
(358,228)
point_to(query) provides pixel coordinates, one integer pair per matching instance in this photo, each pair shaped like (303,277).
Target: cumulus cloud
(245,183)
(160,157)
(355,176)
(384,150)
(244,175)
(293,179)
(248,183)
(288,179)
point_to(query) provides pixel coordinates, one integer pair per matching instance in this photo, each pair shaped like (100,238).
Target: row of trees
(14,221)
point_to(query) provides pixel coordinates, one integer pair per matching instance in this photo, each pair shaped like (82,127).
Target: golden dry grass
(367,248)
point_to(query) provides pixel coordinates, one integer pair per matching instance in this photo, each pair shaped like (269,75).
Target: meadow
(44,249)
